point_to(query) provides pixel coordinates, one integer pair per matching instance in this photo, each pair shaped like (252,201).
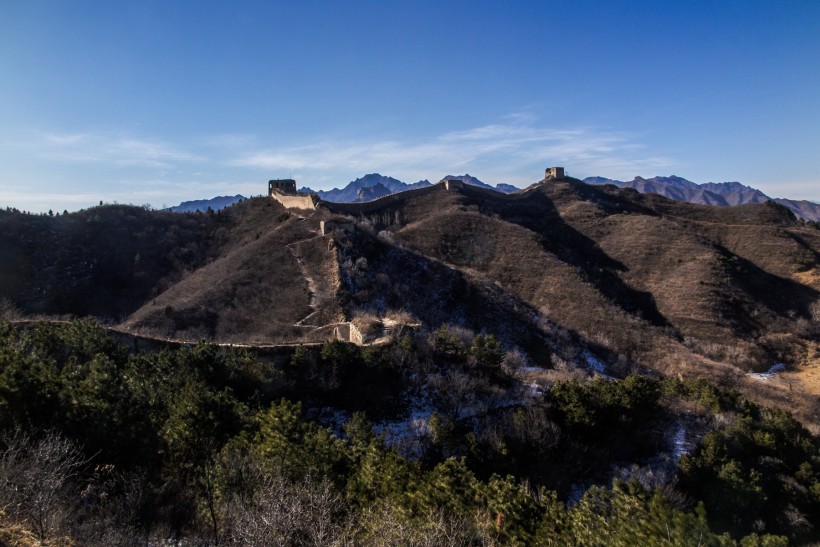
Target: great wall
(284,191)
(359,331)
(337,220)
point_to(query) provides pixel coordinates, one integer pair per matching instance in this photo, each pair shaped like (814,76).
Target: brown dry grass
(633,273)
(14,534)
(254,292)
(679,288)
(809,277)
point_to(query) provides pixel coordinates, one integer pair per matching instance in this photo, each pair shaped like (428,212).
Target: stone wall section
(296,201)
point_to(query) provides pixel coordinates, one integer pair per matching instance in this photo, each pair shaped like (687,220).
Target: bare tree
(109,507)
(387,525)
(276,511)
(8,310)
(36,475)
(455,391)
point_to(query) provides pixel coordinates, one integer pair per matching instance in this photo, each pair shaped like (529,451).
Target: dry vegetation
(682,289)
(253,292)
(641,281)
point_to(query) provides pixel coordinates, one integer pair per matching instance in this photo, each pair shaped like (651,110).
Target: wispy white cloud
(118,150)
(137,169)
(515,150)
(158,193)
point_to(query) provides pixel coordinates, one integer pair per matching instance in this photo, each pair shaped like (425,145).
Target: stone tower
(554,173)
(284,186)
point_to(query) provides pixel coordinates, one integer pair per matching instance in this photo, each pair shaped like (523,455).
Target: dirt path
(313,287)
(311,283)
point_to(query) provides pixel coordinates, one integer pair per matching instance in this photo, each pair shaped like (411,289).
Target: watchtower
(283,186)
(554,173)
(452,184)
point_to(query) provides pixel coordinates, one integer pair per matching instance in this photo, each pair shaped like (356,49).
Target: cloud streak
(117,150)
(507,151)
(136,169)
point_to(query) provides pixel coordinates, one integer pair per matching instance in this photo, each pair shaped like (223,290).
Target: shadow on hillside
(537,213)
(104,261)
(394,278)
(807,248)
(783,297)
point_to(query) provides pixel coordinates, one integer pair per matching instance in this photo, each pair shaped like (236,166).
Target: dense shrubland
(102,445)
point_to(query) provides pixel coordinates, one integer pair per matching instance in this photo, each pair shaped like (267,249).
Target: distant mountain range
(350,193)
(215,204)
(366,188)
(721,194)
(374,186)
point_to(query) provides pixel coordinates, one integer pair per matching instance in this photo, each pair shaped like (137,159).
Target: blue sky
(159,102)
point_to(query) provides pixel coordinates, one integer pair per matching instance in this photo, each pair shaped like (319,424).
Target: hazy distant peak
(369,193)
(506,188)
(603,180)
(371,184)
(721,194)
(215,204)
(469,179)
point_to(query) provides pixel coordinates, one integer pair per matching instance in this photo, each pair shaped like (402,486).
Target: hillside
(104,444)
(641,279)
(568,273)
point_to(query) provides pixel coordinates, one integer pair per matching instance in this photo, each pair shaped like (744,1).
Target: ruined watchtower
(452,184)
(554,173)
(284,186)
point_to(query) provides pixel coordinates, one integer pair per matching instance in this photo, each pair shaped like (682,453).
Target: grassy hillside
(675,270)
(647,281)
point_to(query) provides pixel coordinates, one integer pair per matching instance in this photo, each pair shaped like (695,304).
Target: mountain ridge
(374,185)
(351,192)
(720,194)
(202,205)
(558,271)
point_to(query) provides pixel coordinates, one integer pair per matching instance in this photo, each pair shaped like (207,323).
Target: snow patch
(332,418)
(657,471)
(407,435)
(769,374)
(681,446)
(577,491)
(595,365)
